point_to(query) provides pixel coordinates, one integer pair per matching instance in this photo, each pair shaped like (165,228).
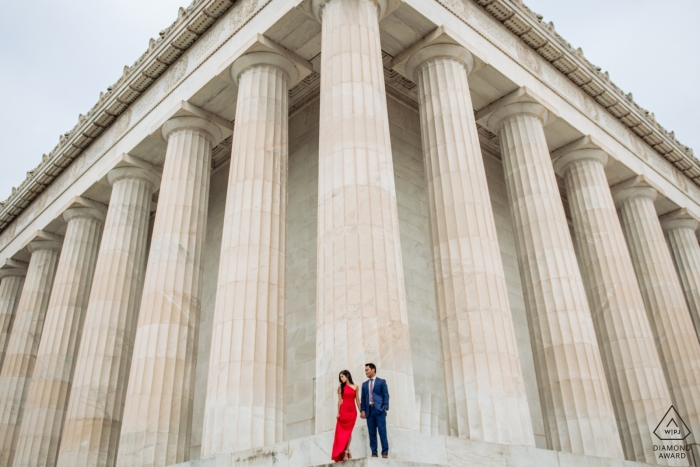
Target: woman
(348,399)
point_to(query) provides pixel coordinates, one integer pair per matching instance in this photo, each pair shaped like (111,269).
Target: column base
(406,449)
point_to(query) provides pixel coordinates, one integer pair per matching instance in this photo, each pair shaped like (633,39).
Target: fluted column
(94,414)
(156,428)
(361,311)
(486,392)
(632,366)
(576,403)
(22,347)
(45,407)
(245,392)
(680,229)
(11,283)
(668,314)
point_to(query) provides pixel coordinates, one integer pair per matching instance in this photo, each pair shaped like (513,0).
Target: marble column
(632,366)
(245,393)
(22,347)
(668,314)
(485,388)
(576,403)
(680,229)
(156,428)
(45,407)
(94,415)
(361,300)
(11,283)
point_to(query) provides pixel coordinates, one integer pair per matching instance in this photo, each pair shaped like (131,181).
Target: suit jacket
(380,395)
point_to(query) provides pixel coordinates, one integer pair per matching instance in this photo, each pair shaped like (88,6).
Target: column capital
(43,240)
(188,116)
(11,267)
(82,207)
(84,212)
(442,42)
(679,219)
(314,8)
(263,51)
(212,131)
(638,186)
(129,166)
(519,102)
(586,148)
(120,173)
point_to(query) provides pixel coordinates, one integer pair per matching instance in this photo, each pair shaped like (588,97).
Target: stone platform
(408,449)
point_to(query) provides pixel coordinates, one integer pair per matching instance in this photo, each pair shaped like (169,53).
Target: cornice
(191,23)
(543,39)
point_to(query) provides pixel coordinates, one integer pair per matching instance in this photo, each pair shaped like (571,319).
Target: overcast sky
(57,55)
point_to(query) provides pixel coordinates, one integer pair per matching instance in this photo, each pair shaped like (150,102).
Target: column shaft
(632,366)
(361,311)
(22,347)
(44,412)
(486,393)
(156,428)
(686,254)
(10,292)
(576,403)
(245,392)
(670,321)
(96,405)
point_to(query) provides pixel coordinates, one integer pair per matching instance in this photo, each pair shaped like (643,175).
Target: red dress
(346,422)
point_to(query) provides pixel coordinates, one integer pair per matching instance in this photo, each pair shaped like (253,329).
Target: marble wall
(212,249)
(419,277)
(302,209)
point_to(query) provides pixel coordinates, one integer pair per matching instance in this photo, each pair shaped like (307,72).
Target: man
(374,405)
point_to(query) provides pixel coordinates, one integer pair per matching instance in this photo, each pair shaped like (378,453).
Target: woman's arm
(340,401)
(386,395)
(357,398)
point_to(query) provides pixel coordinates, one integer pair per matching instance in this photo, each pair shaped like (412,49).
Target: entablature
(506,62)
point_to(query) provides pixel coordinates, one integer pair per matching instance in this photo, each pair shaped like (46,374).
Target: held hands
(362,414)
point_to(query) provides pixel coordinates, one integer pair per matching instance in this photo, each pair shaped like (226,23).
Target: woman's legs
(347,449)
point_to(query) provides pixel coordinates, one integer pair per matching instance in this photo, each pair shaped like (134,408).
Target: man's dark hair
(371,366)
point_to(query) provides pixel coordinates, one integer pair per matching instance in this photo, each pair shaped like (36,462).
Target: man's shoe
(385,456)
(374,455)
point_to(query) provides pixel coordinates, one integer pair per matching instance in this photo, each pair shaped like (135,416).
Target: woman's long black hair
(342,385)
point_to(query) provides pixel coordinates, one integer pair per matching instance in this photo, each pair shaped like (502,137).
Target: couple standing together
(372,406)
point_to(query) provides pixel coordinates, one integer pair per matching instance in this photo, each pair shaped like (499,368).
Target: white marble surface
(47,396)
(675,337)
(680,227)
(419,274)
(413,449)
(485,390)
(361,307)
(245,394)
(96,405)
(156,428)
(23,345)
(211,253)
(10,292)
(302,214)
(632,366)
(498,194)
(576,403)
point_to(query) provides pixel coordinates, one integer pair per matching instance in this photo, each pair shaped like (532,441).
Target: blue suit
(376,414)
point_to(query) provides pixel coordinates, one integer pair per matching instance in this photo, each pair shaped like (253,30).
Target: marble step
(379,462)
